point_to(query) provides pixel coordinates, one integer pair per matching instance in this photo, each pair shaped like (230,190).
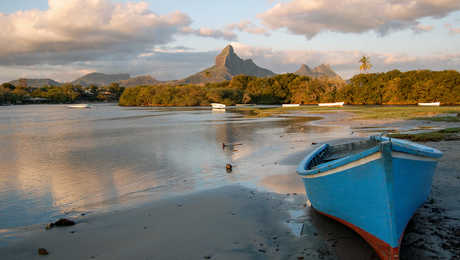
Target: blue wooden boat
(372,185)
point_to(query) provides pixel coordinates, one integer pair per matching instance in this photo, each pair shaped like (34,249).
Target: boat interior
(338,151)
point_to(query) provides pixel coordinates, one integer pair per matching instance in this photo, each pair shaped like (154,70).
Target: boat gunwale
(403,146)
(302,169)
(398,145)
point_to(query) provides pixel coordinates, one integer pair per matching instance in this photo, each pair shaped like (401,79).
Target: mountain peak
(304,70)
(228,64)
(321,71)
(323,68)
(226,56)
(99,79)
(139,80)
(34,83)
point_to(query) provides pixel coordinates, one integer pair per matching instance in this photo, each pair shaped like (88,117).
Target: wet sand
(434,232)
(235,222)
(227,223)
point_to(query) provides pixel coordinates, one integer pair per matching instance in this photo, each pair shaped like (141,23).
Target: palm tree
(365,64)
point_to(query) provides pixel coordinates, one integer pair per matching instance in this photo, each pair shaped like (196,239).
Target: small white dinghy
(336,104)
(79,106)
(217,105)
(290,105)
(432,104)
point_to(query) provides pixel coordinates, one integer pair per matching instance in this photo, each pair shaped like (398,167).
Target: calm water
(56,161)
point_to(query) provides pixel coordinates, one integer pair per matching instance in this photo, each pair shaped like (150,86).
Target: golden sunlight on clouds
(310,17)
(76,30)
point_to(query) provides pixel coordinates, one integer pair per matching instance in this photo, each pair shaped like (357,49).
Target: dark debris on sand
(431,234)
(63,222)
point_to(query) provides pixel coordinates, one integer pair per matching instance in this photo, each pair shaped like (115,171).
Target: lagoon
(58,162)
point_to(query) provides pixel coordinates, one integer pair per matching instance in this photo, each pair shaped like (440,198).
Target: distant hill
(138,81)
(100,79)
(34,83)
(227,65)
(322,71)
(304,70)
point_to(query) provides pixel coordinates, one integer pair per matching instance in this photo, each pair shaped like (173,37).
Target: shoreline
(236,222)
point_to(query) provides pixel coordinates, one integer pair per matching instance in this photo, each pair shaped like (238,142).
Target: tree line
(242,89)
(411,87)
(393,87)
(67,93)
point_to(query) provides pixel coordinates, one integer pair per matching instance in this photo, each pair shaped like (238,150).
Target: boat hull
(290,105)
(217,105)
(434,104)
(337,104)
(79,106)
(375,195)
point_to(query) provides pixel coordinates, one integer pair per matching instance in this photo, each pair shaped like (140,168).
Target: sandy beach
(237,222)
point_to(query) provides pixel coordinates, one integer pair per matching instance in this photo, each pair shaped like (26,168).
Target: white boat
(79,106)
(290,105)
(432,104)
(217,105)
(336,104)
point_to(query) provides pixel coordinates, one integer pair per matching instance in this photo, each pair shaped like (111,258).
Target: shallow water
(56,161)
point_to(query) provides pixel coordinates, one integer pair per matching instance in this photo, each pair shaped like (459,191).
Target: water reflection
(55,160)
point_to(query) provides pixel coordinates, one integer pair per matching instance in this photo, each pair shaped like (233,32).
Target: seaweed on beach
(447,134)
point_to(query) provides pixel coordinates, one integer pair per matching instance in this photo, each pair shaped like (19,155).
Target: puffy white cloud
(310,17)
(80,30)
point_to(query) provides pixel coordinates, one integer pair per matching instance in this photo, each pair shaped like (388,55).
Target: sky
(65,39)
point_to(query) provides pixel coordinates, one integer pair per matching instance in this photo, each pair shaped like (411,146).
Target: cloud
(419,28)
(212,33)
(161,62)
(248,27)
(85,30)
(453,30)
(176,62)
(310,17)
(344,62)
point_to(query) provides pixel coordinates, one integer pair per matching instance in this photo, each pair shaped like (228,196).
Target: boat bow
(373,186)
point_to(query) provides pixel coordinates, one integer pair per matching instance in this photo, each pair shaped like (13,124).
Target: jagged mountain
(34,83)
(100,79)
(227,65)
(139,81)
(322,71)
(304,70)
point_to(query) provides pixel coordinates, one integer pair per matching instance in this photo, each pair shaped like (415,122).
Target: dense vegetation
(285,88)
(67,93)
(393,87)
(448,134)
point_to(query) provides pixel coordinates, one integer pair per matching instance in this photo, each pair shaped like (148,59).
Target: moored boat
(432,104)
(79,106)
(290,105)
(336,104)
(217,105)
(372,185)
